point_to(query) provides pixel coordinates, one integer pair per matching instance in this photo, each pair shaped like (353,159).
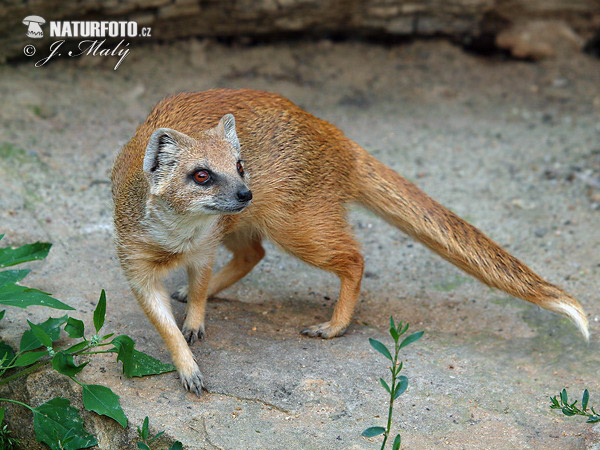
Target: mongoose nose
(244,195)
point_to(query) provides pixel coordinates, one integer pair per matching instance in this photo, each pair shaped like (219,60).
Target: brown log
(458,19)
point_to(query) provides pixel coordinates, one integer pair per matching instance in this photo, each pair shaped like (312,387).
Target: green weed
(399,383)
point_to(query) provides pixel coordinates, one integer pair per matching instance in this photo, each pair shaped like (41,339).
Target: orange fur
(301,171)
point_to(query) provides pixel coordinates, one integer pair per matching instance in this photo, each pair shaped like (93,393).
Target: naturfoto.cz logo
(94,33)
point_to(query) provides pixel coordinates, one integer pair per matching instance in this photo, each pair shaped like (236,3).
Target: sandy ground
(513,147)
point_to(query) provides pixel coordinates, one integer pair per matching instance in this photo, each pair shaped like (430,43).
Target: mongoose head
(201,175)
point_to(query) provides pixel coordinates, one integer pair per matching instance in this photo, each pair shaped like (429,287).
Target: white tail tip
(575,313)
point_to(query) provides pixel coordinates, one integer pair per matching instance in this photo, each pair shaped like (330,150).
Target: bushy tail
(404,205)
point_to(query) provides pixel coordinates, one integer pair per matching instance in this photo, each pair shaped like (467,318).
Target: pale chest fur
(180,233)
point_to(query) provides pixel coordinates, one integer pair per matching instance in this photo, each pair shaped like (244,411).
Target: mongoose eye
(201,176)
(240,168)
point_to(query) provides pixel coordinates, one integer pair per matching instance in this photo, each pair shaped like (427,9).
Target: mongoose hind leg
(327,243)
(247,253)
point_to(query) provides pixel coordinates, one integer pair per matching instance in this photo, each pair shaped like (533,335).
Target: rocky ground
(511,146)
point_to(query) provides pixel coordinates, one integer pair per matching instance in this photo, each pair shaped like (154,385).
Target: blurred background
(491,106)
(523,28)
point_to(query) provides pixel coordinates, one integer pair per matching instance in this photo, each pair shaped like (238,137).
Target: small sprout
(399,383)
(146,440)
(571,409)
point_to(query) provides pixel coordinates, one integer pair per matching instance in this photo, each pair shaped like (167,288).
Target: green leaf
(29,358)
(22,297)
(380,348)
(75,348)
(74,328)
(136,363)
(142,446)
(396,445)
(392,324)
(567,412)
(40,334)
(29,340)
(144,365)
(373,431)
(124,347)
(2,314)
(1,416)
(63,363)
(145,427)
(412,338)
(103,401)
(156,436)
(100,312)
(404,329)
(593,419)
(6,353)
(394,334)
(30,252)
(176,446)
(564,397)
(385,385)
(56,421)
(12,276)
(585,399)
(401,386)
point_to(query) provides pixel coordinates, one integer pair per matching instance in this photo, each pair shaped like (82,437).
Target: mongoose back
(239,166)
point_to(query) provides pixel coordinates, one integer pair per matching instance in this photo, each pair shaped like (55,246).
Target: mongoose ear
(226,128)
(163,146)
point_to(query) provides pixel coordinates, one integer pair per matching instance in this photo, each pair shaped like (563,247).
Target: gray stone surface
(512,147)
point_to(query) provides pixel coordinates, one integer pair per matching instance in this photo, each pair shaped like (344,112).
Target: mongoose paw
(180,294)
(191,335)
(193,382)
(324,330)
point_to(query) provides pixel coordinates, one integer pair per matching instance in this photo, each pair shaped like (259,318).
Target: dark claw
(191,335)
(310,332)
(323,330)
(193,383)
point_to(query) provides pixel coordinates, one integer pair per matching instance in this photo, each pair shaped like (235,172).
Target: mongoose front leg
(198,278)
(155,302)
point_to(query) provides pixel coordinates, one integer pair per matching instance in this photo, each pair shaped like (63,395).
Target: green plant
(570,409)
(6,441)
(56,422)
(399,383)
(13,294)
(146,440)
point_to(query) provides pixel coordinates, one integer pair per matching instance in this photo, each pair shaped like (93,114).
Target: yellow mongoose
(238,166)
